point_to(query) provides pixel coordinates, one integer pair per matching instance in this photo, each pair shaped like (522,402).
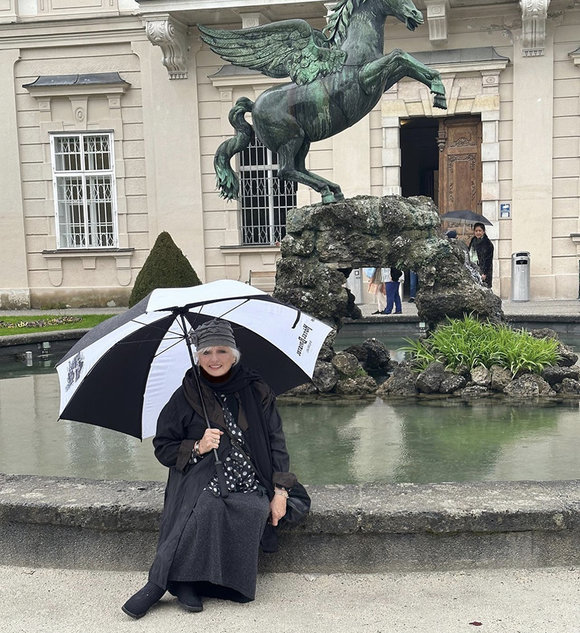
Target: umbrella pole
(219,466)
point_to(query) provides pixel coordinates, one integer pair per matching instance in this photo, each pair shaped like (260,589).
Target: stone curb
(61,522)
(41,337)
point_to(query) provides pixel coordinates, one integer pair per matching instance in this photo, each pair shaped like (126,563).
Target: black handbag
(298,501)
(297,505)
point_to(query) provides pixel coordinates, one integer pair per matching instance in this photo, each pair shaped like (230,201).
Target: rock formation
(324,243)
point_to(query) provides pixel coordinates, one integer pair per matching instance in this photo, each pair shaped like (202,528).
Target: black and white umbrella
(122,373)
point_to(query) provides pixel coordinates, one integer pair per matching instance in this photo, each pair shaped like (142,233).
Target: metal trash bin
(520,276)
(355,284)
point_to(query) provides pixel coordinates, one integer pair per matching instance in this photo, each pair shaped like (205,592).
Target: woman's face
(217,361)
(478,232)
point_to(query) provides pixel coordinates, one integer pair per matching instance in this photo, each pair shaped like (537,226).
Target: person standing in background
(413,278)
(392,289)
(376,286)
(481,253)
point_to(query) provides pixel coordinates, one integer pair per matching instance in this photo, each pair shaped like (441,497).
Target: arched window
(264,198)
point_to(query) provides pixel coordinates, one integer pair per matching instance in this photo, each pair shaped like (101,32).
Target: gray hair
(236,352)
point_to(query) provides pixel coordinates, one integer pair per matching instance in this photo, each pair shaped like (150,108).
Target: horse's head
(405,11)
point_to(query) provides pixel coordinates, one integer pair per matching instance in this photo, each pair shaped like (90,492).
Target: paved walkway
(544,308)
(490,601)
(511,308)
(502,600)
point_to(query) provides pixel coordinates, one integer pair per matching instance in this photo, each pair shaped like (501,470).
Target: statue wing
(289,48)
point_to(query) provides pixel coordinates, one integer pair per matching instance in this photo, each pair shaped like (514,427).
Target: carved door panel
(459,141)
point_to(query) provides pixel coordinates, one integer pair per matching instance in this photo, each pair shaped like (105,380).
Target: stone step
(85,524)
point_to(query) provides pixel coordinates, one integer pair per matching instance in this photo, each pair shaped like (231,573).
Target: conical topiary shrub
(165,267)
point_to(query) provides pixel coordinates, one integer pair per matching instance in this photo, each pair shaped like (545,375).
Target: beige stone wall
(55,280)
(503,246)
(220,219)
(172,154)
(530,151)
(566,158)
(14,278)
(166,133)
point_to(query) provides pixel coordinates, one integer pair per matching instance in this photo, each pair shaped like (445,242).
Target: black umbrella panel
(469,217)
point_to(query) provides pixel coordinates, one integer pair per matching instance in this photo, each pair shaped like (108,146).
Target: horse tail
(227,180)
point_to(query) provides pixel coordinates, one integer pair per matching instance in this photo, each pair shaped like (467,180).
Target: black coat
(484,249)
(179,426)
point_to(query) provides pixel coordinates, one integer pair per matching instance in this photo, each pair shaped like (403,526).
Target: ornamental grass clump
(470,343)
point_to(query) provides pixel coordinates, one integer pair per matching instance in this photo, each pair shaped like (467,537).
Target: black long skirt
(220,543)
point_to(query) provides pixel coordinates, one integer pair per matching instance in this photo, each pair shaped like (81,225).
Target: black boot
(188,597)
(138,605)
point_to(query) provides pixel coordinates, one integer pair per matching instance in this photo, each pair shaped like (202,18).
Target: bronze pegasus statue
(337,75)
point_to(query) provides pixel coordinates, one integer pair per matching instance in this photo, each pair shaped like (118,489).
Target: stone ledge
(50,521)
(41,337)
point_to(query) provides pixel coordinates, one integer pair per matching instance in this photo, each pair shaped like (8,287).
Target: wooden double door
(441,158)
(459,144)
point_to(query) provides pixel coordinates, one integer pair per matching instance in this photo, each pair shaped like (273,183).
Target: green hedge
(166,267)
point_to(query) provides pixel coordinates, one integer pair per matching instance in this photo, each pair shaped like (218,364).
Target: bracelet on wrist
(195,450)
(282,492)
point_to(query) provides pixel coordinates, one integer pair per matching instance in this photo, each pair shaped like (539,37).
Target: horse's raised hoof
(439,101)
(329,197)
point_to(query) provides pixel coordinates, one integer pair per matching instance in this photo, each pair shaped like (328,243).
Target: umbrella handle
(219,467)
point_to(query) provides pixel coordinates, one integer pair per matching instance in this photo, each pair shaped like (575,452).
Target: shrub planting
(165,267)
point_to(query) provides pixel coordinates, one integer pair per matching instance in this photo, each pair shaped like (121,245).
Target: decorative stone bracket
(575,55)
(252,19)
(534,17)
(172,37)
(437,19)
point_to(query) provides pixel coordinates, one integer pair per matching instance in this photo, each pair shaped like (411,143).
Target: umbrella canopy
(469,217)
(121,373)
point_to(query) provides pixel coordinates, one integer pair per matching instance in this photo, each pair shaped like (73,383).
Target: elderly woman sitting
(225,481)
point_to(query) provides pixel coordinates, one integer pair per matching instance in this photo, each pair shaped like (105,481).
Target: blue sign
(505,210)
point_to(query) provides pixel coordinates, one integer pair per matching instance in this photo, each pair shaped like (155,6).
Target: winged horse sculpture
(337,75)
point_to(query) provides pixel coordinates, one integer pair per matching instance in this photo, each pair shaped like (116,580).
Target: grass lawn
(11,325)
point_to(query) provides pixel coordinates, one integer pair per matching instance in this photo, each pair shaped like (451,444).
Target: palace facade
(113,109)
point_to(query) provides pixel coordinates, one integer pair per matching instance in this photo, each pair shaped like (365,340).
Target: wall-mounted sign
(505,210)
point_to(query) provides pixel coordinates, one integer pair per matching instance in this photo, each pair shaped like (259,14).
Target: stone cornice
(70,33)
(479,59)
(76,85)
(534,17)
(172,36)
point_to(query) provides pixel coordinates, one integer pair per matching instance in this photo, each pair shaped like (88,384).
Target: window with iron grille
(264,198)
(84,190)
